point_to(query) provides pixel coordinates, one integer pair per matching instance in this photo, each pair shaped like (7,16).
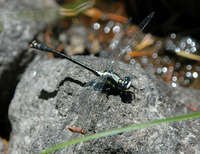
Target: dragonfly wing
(118,46)
(125,45)
(115,41)
(121,44)
(113,48)
(87,101)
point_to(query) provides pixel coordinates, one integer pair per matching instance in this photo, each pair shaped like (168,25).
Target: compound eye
(127,79)
(127,82)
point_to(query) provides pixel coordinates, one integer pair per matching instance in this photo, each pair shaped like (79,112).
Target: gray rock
(47,98)
(2,146)
(19,29)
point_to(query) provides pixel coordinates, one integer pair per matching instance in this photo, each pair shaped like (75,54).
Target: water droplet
(188,74)
(193,44)
(150,65)
(168,61)
(193,49)
(178,64)
(116,29)
(173,35)
(189,41)
(182,45)
(186,81)
(144,59)
(174,78)
(108,26)
(96,26)
(187,50)
(154,55)
(164,69)
(177,50)
(174,84)
(106,30)
(198,68)
(132,61)
(195,74)
(159,70)
(189,67)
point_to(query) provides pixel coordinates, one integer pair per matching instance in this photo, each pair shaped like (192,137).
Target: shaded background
(179,16)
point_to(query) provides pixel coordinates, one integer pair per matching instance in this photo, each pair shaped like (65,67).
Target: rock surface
(2,146)
(47,97)
(18,31)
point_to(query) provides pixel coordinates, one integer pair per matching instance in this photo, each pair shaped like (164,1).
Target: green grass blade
(123,129)
(79,5)
(76,7)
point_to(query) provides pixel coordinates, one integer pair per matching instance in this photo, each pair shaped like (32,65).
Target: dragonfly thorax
(115,81)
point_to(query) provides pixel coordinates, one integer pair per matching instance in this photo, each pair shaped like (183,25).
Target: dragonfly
(113,79)
(118,47)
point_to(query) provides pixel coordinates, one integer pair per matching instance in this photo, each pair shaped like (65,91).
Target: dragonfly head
(125,84)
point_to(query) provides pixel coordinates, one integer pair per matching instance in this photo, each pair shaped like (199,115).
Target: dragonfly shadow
(126,96)
(44,94)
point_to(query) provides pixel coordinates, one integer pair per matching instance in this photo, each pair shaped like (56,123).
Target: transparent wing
(111,49)
(118,46)
(121,44)
(87,101)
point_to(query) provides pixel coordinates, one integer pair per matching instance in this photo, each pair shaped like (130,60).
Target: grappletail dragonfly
(118,47)
(112,79)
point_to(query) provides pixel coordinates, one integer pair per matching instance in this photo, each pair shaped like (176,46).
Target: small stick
(77,130)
